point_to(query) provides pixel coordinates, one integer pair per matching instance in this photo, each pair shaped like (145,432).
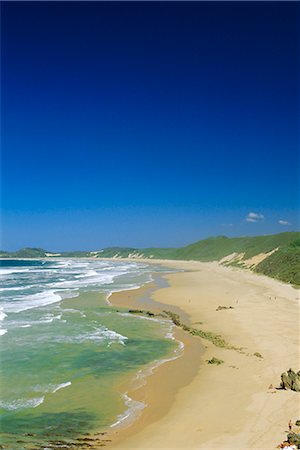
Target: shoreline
(246,322)
(152,386)
(263,319)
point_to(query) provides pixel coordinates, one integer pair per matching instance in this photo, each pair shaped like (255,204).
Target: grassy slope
(283,264)
(25,253)
(75,254)
(214,249)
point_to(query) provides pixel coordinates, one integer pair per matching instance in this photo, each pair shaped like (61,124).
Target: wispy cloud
(254,217)
(283,222)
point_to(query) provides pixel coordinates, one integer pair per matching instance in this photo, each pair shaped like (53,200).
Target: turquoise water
(66,354)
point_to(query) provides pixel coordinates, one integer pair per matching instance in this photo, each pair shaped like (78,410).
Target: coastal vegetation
(215,360)
(214,338)
(284,264)
(25,253)
(276,255)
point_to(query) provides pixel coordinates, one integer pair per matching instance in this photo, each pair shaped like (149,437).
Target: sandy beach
(192,404)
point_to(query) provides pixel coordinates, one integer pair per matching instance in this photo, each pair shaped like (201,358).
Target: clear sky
(147,124)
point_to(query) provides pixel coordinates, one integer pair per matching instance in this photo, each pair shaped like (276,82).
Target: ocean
(67,353)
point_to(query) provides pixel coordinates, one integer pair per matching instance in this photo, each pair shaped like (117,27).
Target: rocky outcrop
(290,380)
(219,308)
(294,439)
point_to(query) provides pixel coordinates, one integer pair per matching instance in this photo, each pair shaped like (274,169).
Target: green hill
(25,253)
(216,248)
(276,255)
(280,253)
(76,254)
(284,264)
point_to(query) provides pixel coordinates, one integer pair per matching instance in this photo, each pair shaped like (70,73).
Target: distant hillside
(120,252)
(25,253)
(41,253)
(216,248)
(277,255)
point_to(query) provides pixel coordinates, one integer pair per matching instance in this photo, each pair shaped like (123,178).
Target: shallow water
(66,353)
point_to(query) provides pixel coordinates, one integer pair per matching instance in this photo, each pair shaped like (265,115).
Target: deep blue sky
(147,124)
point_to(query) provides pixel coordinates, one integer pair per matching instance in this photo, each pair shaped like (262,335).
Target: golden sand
(192,404)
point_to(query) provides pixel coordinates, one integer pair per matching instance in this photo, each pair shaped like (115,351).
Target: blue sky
(147,124)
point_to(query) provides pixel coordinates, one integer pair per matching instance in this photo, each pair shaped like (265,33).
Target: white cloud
(283,222)
(254,217)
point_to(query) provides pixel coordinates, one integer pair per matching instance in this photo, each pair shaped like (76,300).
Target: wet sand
(159,388)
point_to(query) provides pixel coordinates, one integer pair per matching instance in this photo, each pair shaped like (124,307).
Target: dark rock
(291,380)
(219,308)
(294,438)
(215,361)
(135,311)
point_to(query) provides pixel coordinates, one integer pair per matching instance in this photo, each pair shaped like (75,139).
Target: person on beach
(290,425)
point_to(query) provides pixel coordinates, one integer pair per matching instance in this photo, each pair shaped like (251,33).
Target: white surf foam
(129,287)
(21,403)
(99,335)
(64,263)
(16,288)
(138,316)
(10,271)
(76,311)
(51,388)
(89,273)
(134,408)
(2,314)
(61,386)
(25,302)
(2,317)
(48,318)
(82,281)
(113,336)
(142,374)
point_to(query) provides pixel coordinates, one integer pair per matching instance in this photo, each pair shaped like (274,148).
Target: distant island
(277,255)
